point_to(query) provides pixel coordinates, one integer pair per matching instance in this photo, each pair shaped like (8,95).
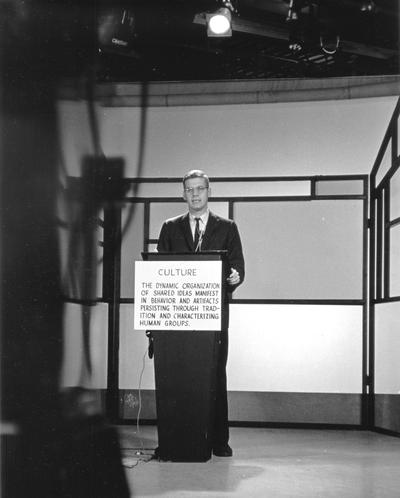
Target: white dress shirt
(202,223)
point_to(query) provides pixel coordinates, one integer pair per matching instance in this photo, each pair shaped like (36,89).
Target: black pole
(112,293)
(373,294)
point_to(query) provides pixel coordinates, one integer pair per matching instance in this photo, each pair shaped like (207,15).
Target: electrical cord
(140,397)
(133,461)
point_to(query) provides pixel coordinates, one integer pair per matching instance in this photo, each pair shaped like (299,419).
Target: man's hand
(234,277)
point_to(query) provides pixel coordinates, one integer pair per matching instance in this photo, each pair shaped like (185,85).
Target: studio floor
(270,463)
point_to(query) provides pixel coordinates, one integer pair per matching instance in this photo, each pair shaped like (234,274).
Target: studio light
(219,23)
(292,15)
(368,7)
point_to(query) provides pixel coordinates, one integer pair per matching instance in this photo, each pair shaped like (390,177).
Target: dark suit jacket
(220,234)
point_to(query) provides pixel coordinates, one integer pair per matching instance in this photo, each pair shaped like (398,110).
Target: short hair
(196,173)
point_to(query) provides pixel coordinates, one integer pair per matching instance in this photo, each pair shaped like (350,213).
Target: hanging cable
(133,461)
(140,398)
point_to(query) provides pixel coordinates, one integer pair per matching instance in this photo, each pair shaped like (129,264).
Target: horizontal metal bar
(339,302)
(345,302)
(236,179)
(333,197)
(394,222)
(391,299)
(224,199)
(84,302)
(274,198)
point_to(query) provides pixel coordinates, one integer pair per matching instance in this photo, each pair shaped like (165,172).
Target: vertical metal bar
(230,210)
(379,243)
(395,141)
(386,236)
(146,226)
(313,187)
(372,291)
(365,378)
(112,292)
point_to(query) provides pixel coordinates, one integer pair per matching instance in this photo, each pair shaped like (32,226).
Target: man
(202,230)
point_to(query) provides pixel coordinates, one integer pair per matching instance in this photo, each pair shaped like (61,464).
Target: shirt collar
(203,217)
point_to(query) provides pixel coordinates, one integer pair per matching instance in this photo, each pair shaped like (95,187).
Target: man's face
(196,194)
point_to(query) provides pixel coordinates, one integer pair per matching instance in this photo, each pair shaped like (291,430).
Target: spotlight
(368,6)
(219,23)
(292,14)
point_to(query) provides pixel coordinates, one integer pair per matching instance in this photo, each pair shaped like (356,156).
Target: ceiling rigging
(169,41)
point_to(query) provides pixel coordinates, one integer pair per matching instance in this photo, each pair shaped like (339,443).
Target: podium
(185,363)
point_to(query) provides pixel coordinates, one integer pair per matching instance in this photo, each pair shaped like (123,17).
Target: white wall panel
(132,245)
(301,250)
(295,348)
(394,277)
(284,348)
(395,195)
(299,138)
(73,371)
(256,139)
(387,348)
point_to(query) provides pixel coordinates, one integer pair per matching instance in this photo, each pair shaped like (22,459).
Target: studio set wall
(307,346)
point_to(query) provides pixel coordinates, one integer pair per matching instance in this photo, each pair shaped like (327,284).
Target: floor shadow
(150,475)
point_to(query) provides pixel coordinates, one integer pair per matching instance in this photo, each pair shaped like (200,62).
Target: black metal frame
(112,268)
(380,229)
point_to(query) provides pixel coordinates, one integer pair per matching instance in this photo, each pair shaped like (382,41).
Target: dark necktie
(197,235)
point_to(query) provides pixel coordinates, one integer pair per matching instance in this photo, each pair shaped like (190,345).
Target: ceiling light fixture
(219,23)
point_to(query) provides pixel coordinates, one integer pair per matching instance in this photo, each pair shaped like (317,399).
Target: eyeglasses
(195,190)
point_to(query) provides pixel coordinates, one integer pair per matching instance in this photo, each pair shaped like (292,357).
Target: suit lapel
(211,226)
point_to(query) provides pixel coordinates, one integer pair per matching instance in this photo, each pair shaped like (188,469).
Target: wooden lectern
(185,377)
